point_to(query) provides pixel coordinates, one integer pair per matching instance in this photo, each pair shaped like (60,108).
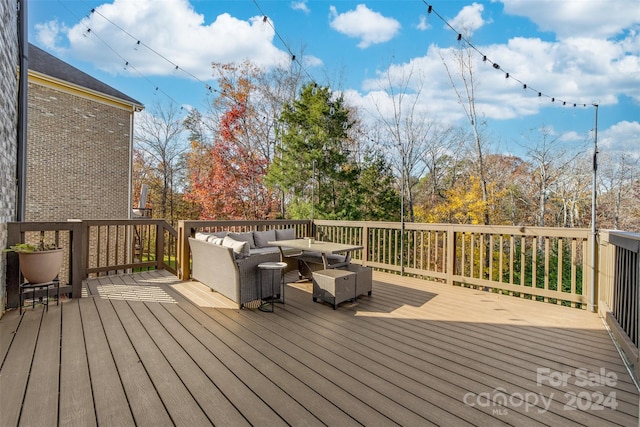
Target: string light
(291,54)
(265,20)
(430,10)
(140,43)
(127,63)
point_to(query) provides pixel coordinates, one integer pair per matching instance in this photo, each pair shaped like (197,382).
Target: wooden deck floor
(147,349)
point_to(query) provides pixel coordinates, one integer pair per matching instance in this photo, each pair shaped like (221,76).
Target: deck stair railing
(619,293)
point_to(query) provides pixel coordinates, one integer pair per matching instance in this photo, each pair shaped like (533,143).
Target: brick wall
(8,126)
(78,157)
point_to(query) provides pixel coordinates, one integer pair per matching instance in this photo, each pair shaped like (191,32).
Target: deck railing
(94,248)
(115,246)
(188,229)
(67,235)
(619,293)
(543,264)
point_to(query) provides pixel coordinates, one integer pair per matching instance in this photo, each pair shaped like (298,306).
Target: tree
(465,88)
(406,134)
(312,165)
(378,198)
(549,159)
(226,177)
(616,177)
(159,137)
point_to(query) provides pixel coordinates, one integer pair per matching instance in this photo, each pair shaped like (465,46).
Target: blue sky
(579,51)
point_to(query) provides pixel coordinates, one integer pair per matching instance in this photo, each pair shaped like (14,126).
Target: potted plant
(38,263)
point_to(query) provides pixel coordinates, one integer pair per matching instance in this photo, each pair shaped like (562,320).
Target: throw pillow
(216,240)
(202,235)
(240,249)
(244,237)
(286,234)
(262,238)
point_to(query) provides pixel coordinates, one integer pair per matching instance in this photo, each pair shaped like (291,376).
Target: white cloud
(423,24)
(624,136)
(363,23)
(581,71)
(177,33)
(572,136)
(300,5)
(50,33)
(310,61)
(469,19)
(575,18)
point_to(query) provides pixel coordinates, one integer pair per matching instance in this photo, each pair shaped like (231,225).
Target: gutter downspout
(130,190)
(23,85)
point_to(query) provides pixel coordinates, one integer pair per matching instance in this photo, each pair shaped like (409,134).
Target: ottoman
(334,286)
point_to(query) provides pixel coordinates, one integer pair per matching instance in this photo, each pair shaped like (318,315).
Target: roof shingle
(47,64)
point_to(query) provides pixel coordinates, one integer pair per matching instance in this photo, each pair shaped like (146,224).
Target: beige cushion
(203,236)
(262,238)
(240,249)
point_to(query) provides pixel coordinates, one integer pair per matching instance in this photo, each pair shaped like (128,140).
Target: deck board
(236,379)
(43,380)
(16,367)
(110,400)
(147,349)
(76,394)
(142,397)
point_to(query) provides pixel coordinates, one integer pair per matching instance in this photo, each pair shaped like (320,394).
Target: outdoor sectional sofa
(227,262)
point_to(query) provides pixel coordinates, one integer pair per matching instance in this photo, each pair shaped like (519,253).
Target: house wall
(8,128)
(78,157)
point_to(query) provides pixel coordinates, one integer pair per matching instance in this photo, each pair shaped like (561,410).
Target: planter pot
(41,267)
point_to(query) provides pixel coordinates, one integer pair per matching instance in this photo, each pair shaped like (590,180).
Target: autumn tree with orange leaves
(227,176)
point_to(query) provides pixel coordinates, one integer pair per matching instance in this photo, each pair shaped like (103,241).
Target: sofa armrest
(215,266)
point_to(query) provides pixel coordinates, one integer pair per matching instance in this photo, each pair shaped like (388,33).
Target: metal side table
(273,267)
(33,288)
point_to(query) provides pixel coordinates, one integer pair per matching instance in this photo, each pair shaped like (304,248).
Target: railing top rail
(193,225)
(624,239)
(42,226)
(94,222)
(223,222)
(489,229)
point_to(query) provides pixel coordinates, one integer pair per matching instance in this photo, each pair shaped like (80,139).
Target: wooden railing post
(13,267)
(160,245)
(78,270)
(451,254)
(184,232)
(364,238)
(85,247)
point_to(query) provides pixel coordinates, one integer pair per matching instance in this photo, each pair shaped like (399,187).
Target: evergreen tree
(313,138)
